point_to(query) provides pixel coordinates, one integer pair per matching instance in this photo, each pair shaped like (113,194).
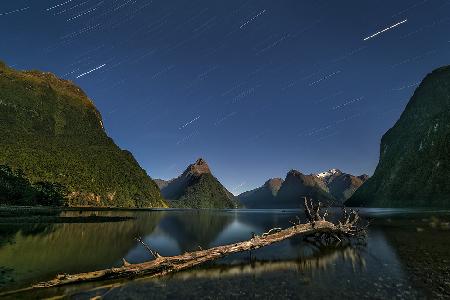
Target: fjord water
(380,269)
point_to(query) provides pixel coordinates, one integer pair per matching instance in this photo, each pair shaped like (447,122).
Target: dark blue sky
(255,87)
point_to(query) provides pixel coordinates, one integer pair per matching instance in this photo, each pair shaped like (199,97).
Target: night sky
(255,87)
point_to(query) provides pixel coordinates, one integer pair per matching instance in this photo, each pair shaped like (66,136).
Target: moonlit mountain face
(414,163)
(328,174)
(255,87)
(197,187)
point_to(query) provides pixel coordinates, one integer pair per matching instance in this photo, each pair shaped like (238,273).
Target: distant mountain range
(55,151)
(414,166)
(52,139)
(262,197)
(332,188)
(197,188)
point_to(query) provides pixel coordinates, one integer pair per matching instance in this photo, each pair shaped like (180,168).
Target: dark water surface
(407,256)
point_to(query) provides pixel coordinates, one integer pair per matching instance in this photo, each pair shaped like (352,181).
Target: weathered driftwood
(324,259)
(317,228)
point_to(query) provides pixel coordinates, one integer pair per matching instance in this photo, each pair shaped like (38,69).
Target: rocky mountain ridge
(196,187)
(331,187)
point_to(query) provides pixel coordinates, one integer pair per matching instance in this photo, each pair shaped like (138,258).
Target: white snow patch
(327,174)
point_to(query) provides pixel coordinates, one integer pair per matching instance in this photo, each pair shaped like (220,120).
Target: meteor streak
(189,123)
(252,19)
(407,86)
(70,8)
(58,5)
(88,72)
(386,29)
(348,103)
(324,78)
(14,11)
(82,14)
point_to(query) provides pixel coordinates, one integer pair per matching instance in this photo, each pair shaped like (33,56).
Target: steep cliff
(52,132)
(414,166)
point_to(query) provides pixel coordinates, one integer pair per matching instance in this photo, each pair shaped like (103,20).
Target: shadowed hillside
(53,133)
(414,166)
(197,188)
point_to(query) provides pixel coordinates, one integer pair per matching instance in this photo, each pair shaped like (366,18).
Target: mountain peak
(198,188)
(199,167)
(274,181)
(363,177)
(293,173)
(327,174)
(200,162)
(274,185)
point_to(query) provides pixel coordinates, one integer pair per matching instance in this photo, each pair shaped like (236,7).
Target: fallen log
(347,229)
(324,259)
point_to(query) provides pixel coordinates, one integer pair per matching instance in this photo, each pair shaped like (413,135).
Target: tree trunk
(317,228)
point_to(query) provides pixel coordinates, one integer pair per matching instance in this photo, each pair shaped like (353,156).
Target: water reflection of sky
(234,232)
(77,247)
(158,240)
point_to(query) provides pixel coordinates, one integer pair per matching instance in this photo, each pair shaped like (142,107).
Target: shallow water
(31,253)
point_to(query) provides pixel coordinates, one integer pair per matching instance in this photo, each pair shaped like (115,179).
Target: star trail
(255,87)
(384,30)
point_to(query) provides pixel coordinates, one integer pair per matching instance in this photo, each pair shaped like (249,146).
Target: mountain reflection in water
(28,256)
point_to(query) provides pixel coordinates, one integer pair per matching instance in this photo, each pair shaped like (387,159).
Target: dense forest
(16,189)
(414,164)
(52,132)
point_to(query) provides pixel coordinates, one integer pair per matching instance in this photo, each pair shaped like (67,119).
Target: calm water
(34,252)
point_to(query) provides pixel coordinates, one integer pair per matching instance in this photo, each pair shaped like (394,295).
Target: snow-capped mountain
(327,175)
(341,185)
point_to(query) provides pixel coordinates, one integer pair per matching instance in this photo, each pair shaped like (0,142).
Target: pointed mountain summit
(196,187)
(198,168)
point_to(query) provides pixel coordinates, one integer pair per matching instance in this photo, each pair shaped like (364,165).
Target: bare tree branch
(317,231)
